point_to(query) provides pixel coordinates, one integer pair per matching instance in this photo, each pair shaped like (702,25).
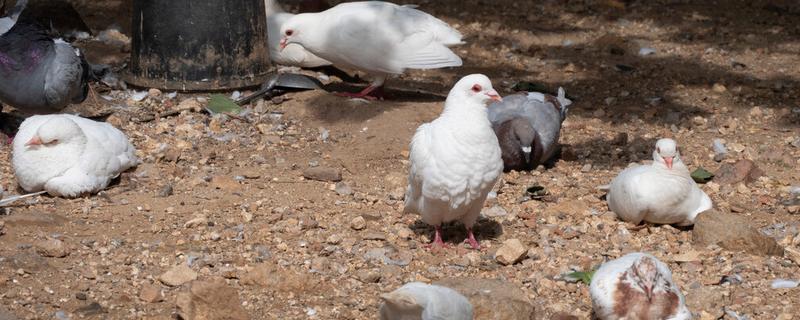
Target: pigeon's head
(291,30)
(55,131)
(666,152)
(646,292)
(476,88)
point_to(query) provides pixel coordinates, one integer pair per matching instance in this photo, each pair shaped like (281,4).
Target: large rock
(744,170)
(210,300)
(493,299)
(732,232)
(178,275)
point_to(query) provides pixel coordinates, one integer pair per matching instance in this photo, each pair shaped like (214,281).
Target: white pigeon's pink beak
(494,96)
(284,43)
(668,160)
(35,141)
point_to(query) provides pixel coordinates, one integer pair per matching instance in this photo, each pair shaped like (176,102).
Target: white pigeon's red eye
(289,32)
(476,88)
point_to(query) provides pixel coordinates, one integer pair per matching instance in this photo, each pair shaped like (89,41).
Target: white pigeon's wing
(108,151)
(419,158)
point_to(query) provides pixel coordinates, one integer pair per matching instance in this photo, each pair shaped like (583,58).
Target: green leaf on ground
(702,175)
(222,104)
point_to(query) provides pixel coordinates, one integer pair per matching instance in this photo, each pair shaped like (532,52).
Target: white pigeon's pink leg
(471,240)
(373,92)
(437,243)
(369,93)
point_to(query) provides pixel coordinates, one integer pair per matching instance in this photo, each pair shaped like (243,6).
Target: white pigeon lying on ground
(636,286)
(528,126)
(292,54)
(378,38)
(455,159)
(663,192)
(418,300)
(67,155)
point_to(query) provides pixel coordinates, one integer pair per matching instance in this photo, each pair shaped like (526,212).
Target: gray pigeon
(9,20)
(527,126)
(40,74)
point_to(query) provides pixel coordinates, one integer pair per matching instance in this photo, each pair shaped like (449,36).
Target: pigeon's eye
(289,32)
(476,88)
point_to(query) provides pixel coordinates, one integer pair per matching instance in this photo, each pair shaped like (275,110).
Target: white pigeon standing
(376,37)
(67,155)
(455,159)
(636,286)
(292,54)
(422,301)
(528,126)
(662,193)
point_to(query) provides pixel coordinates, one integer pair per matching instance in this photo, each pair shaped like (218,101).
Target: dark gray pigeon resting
(40,74)
(528,126)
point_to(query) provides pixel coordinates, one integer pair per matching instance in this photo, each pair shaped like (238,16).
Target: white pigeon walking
(422,301)
(455,159)
(528,126)
(636,286)
(67,155)
(292,54)
(376,37)
(662,193)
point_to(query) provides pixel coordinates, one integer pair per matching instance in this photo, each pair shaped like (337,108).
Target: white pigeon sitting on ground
(455,159)
(422,301)
(292,54)
(67,155)
(528,126)
(636,286)
(662,193)
(378,38)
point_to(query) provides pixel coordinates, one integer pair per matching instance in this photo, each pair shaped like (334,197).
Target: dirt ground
(227,197)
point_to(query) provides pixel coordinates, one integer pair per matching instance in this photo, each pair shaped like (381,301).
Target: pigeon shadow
(455,233)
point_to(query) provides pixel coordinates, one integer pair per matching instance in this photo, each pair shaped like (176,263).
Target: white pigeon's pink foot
(437,244)
(471,240)
(369,93)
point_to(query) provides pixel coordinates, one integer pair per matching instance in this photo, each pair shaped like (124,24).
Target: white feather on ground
(68,155)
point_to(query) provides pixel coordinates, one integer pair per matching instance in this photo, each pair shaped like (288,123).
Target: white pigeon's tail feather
(432,57)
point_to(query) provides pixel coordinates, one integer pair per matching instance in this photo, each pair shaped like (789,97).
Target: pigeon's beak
(284,43)
(668,160)
(35,141)
(494,96)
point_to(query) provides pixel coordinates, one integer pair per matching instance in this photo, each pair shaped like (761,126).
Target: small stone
(334,239)
(178,275)
(756,112)
(358,223)
(323,174)
(793,254)
(719,88)
(732,232)
(154,93)
(80,296)
(210,300)
(196,221)
(165,191)
(374,236)
(343,189)
(91,309)
(404,232)
(150,293)
(586,167)
(495,211)
(511,252)
(52,247)
(719,150)
(744,170)
(369,276)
